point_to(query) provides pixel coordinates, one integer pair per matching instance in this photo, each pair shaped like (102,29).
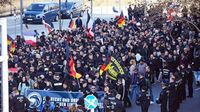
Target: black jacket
(20,103)
(163,98)
(78,23)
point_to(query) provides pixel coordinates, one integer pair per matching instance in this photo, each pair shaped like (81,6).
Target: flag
(12,48)
(106,65)
(170,15)
(73,72)
(9,40)
(121,20)
(72,24)
(30,38)
(104,68)
(89,25)
(49,26)
(13,70)
(114,10)
(114,69)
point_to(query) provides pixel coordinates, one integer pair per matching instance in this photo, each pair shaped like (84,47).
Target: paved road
(189,105)
(13,24)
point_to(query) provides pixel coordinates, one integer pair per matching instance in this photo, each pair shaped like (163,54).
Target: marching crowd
(149,52)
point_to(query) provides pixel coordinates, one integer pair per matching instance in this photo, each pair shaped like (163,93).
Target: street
(13,24)
(189,105)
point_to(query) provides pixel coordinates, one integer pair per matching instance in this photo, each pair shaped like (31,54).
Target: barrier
(65,99)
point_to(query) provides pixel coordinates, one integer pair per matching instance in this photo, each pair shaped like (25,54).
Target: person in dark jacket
(19,103)
(57,83)
(172,95)
(79,22)
(143,99)
(189,78)
(48,106)
(129,12)
(163,98)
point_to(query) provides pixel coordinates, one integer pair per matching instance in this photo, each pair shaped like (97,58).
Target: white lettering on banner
(55,99)
(65,100)
(63,104)
(70,104)
(74,100)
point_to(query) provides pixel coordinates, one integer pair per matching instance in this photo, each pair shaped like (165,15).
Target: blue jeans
(151,93)
(134,91)
(197,75)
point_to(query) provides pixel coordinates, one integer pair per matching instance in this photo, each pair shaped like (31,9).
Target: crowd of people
(149,52)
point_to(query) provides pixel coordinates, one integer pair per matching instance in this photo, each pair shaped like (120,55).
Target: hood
(34,13)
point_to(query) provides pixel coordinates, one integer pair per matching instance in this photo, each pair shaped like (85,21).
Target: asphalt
(13,24)
(189,105)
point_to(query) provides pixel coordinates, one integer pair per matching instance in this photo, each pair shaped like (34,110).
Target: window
(36,7)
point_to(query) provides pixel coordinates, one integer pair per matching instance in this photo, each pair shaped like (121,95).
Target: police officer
(163,98)
(112,101)
(19,103)
(182,86)
(143,99)
(165,73)
(172,95)
(189,78)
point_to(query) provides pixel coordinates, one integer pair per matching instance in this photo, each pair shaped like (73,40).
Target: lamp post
(59,16)
(21,18)
(91,11)
(4,67)
(145,7)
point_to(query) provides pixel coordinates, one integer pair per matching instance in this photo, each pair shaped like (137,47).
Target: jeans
(151,93)
(197,75)
(134,91)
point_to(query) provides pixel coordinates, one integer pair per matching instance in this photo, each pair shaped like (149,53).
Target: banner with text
(65,99)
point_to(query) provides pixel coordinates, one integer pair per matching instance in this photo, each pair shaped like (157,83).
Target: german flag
(73,72)
(12,48)
(72,24)
(104,68)
(9,40)
(121,20)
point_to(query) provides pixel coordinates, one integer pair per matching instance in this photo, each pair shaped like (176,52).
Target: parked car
(41,10)
(71,9)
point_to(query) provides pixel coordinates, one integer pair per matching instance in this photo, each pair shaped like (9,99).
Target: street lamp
(4,67)
(91,5)
(21,18)
(60,28)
